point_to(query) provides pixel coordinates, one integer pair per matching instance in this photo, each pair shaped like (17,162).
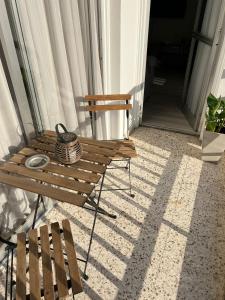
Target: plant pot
(213,146)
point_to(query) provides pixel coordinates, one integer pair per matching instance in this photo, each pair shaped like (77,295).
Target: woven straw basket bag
(67,149)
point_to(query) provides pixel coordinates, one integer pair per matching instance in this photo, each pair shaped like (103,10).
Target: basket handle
(57,130)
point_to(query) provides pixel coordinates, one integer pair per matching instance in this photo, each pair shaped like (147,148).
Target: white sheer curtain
(15,205)
(124,27)
(79,47)
(61,40)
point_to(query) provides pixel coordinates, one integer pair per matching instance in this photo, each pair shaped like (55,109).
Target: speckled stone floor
(169,241)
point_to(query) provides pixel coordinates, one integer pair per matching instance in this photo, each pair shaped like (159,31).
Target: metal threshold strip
(172,129)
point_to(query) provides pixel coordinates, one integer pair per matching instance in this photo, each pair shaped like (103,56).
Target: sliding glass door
(201,60)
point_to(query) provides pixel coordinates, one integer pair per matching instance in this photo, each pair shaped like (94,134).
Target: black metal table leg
(39,199)
(102,211)
(131,194)
(7,274)
(85,276)
(11,275)
(36,210)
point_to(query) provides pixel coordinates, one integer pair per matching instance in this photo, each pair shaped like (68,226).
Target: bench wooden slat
(71,256)
(61,279)
(49,178)
(107,97)
(108,107)
(45,190)
(35,291)
(46,264)
(21,267)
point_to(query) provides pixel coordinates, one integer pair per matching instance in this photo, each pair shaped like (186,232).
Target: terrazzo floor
(169,241)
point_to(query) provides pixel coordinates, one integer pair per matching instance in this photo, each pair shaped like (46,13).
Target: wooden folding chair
(126,148)
(46,264)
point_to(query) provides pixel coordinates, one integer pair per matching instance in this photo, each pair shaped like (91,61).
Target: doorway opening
(170,34)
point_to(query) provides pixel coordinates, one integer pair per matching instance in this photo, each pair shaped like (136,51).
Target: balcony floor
(166,243)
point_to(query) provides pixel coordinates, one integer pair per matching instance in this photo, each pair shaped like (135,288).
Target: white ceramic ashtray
(37,161)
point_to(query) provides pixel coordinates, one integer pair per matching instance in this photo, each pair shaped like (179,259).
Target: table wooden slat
(84,165)
(61,279)
(89,166)
(101,143)
(46,264)
(98,150)
(71,256)
(62,170)
(45,190)
(35,292)
(50,137)
(85,156)
(96,158)
(21,267)
(123,148)
(48,178)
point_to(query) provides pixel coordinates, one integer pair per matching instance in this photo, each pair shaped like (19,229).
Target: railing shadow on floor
(206,229)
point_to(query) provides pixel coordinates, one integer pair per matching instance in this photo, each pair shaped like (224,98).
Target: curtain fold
(61,40)
(15,204)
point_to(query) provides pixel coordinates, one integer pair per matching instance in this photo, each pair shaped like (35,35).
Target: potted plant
(213,144)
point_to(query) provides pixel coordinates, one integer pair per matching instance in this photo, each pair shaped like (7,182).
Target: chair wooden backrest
(92,107)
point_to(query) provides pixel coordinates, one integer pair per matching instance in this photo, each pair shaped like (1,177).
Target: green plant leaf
(215,116)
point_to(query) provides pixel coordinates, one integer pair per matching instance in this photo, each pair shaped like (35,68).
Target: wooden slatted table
(72,184)
(47,264)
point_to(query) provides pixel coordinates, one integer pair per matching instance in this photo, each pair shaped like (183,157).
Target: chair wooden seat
(126,149)
(46,263)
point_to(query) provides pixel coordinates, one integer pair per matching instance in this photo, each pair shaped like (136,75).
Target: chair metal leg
(127,167)
(85,276)
(131,194)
